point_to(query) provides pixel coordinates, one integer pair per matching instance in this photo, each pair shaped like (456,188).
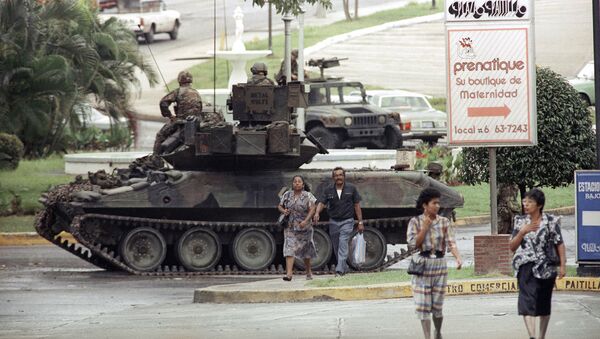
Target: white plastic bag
(359,251)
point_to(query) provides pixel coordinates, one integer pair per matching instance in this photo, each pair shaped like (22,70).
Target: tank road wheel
(324,251)
(253,249)
(143,249)
(199,249)
(376,250)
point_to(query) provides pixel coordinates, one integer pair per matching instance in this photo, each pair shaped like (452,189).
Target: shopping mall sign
(587,214)
(490,73)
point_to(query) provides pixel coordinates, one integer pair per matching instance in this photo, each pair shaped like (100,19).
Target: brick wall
(492,254)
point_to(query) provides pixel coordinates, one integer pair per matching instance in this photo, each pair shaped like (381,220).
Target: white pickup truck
(144,17)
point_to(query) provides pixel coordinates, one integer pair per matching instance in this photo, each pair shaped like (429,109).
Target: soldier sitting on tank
(188,104)
(259,75)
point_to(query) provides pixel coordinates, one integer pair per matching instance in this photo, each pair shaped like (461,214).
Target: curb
(368,30)
(281,293)
(33,239)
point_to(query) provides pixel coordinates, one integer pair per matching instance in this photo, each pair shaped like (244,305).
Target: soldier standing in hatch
(259,75)
(280,77)
(188,103)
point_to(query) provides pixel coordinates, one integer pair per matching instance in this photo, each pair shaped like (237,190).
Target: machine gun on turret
(325,63)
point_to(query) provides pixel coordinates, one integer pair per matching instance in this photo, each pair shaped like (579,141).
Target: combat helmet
(259,67)
(184,77)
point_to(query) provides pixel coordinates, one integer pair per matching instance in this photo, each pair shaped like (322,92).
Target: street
(44,291)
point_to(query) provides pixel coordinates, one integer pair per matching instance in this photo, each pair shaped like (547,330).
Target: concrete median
(279,291)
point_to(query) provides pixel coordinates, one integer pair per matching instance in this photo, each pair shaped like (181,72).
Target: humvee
(339,116)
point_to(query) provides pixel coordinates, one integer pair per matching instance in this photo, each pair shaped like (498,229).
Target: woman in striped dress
(432,235)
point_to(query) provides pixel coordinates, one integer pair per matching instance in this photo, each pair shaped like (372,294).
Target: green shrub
(11,151)
(565,142)
(94,139)
(427,154)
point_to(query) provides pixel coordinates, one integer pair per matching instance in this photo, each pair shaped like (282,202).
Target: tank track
(103,257)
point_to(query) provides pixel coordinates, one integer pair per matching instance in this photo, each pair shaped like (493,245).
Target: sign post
(587,212)
(490,72)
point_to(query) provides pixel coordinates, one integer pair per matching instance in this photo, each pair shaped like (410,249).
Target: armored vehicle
(339,116)
(212,209)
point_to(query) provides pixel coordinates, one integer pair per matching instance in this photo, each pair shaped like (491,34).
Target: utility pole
(270,27)
(287,19)
(300,121)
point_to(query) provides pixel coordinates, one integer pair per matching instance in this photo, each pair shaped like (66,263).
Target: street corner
(28,239)
(278,291)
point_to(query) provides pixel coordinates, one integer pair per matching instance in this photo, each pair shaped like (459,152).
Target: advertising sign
(491,96)
(587,209)
(486,10)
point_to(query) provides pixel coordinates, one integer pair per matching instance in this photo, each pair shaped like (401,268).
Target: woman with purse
(299,205)
(433,236)
(538,246)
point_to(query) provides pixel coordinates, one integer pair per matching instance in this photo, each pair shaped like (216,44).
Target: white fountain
(238,55)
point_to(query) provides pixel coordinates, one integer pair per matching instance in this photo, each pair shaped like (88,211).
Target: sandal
(286,278)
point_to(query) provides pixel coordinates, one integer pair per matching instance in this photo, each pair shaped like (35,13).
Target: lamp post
(300,120)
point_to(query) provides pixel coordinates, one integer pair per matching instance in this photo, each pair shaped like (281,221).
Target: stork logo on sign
(465,48)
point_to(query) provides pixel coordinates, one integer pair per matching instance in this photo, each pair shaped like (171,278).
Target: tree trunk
(522,190)
(508,207)
(355,9)
(321,12)
(347,10)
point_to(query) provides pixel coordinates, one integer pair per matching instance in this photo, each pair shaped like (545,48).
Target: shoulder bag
(417,262)
(283,219)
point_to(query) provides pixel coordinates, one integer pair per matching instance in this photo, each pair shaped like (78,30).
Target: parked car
(584,84)
(144,17)
(339,120)
(91,117)
(417,114)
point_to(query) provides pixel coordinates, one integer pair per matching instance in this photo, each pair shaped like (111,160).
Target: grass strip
(203,73)
(396,276)
(477,199)
(23,186)
(17,223)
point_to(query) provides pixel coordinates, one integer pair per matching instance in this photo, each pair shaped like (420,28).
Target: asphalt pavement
(46,292)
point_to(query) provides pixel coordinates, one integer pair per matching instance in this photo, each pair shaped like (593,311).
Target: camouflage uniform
(259,75)
(189,103)
(261,80)
(280,76)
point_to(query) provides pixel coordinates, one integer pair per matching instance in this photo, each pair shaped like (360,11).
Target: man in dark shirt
(343,203)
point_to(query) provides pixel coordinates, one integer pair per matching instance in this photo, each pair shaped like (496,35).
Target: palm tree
(33,83)
(54,56)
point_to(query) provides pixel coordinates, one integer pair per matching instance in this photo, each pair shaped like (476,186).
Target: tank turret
(264,137)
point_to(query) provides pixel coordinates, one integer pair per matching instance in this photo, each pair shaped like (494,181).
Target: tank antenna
(215,55)
(156,63)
